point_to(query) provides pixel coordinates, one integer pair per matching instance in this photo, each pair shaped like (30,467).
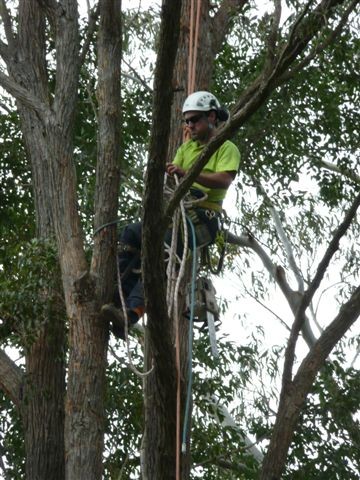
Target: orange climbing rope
(193,47)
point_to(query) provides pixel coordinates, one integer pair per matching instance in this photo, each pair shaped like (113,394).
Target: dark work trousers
(206,225)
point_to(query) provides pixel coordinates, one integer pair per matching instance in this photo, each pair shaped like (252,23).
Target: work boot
(115,317)
(116,320)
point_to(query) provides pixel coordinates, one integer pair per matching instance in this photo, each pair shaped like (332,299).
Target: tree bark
(43,403)
(299,388)
(47,123)
(160,386)
(43,392)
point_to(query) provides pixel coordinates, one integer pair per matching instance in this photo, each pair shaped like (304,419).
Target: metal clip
(210,214)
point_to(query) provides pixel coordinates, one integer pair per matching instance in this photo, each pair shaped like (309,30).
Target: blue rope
(190,340)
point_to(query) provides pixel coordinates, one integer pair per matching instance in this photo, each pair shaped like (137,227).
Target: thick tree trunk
(44,388)
(161,385)
(44,391)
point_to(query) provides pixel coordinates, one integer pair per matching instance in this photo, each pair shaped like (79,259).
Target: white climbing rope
(126,329)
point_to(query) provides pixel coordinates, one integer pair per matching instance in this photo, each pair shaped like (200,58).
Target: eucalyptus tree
(263,70)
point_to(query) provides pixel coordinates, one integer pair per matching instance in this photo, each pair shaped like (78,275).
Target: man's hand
(210,180)
(172,169)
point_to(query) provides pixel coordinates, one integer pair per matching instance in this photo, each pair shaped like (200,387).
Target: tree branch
(284,238)
(228,421)
(11,379)
(273,35)
(136,77)
(5,15)
(222,17)
(278,274)
(351,175)
(93,15)
(308,295)
(26,98)
(295,396)
(255,96)
(321,46)
(153,195)
(49,7)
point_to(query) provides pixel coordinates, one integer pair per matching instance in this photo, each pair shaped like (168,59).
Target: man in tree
(201,113)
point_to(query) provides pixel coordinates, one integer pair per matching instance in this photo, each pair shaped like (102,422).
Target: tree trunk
(161,385)
(44,400)
(48,134)
(44,389)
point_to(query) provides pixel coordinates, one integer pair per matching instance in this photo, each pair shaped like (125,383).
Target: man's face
(198,125)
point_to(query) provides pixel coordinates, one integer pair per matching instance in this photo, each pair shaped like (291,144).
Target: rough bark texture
(42,406)
(160,391)
(47,120)
(160,386)
(43,396)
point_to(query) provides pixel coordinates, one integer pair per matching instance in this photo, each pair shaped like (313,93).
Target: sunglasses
(194,119)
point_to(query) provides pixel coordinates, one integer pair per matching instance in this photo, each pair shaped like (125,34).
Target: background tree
(311,41)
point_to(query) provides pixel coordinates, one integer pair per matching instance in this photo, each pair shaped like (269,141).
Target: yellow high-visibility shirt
(225,159)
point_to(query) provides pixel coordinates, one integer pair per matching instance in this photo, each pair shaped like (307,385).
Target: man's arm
(209,180)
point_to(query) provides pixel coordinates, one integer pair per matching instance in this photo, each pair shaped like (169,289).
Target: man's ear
(212,116)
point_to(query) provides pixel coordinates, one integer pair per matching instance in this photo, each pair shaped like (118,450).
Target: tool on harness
(202,232)
(207,254)
(206,309)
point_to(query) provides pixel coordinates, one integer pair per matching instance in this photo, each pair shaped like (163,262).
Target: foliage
(11,439)
(31,287)
(320,449)
(16,208)
(312,118)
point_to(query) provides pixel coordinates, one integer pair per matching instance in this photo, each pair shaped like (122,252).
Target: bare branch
(137,78)
(284,239)
(5,15)
(308,295)
(226,420)
(321,46)
(93,16)
(268,309)
(350,174)
(278,274)
(11,378)
(25,97)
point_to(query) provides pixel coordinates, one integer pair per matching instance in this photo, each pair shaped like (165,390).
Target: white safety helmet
(203,101)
